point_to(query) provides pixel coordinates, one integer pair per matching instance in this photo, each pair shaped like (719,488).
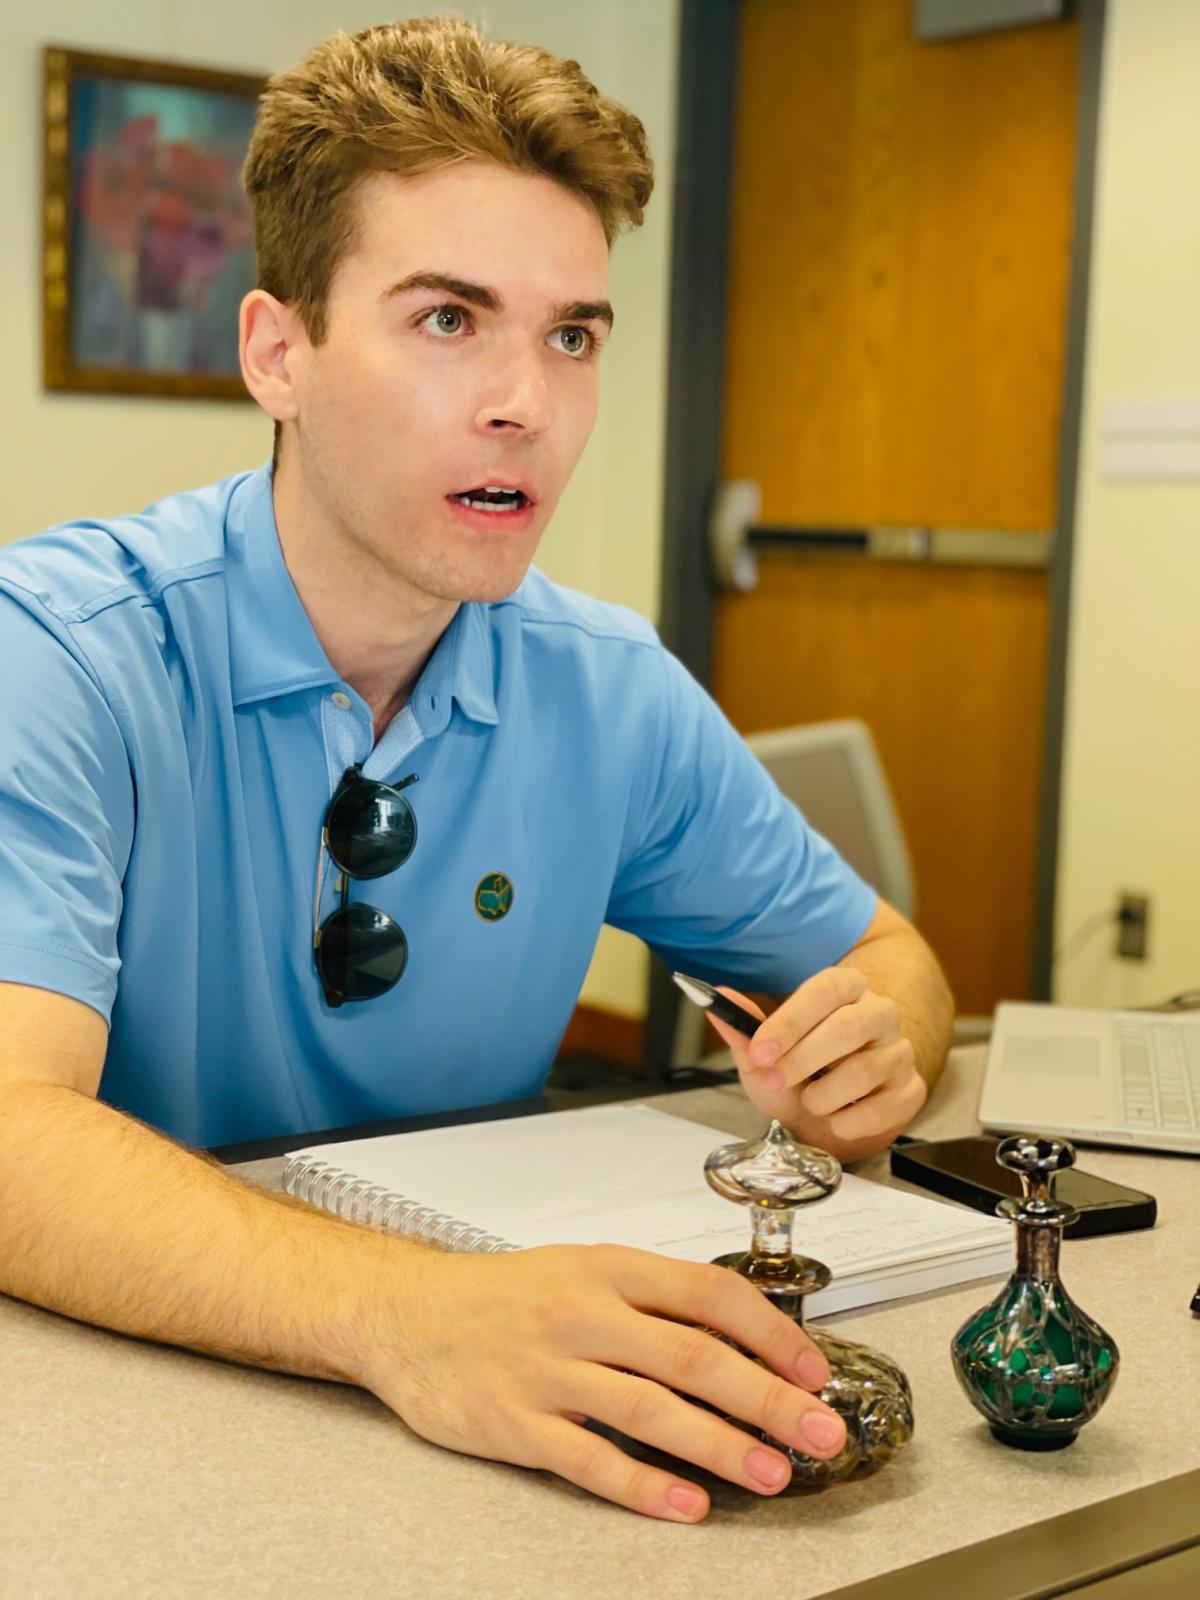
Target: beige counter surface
(133,1470)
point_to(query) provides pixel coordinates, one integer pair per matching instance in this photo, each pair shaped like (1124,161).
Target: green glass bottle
(1031,1362)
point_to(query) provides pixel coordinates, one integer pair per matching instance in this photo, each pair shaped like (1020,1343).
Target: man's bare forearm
(500,1355)
(105,1220)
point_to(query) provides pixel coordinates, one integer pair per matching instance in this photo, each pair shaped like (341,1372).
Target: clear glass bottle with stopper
(774,1176)
(1031,1362)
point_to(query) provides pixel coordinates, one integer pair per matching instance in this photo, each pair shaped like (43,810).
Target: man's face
(421,393)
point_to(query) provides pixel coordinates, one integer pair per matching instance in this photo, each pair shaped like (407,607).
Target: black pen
(704,995)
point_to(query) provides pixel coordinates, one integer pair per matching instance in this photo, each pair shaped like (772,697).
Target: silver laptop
(1108,1077)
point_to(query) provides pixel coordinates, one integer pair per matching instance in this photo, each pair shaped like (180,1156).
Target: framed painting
(148,240)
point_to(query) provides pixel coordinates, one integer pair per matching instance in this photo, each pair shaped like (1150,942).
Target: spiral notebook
(633,1175)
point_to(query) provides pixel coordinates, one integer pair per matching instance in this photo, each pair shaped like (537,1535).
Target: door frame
(1092,18)
(707,76)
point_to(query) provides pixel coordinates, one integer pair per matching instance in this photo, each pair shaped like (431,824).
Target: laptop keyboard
(1160,1075)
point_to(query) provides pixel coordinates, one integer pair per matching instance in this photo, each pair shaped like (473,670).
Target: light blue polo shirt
(170,735)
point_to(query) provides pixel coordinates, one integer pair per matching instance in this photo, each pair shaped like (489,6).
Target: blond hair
(408,97)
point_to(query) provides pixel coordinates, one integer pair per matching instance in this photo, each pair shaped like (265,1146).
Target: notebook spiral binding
(319,1183)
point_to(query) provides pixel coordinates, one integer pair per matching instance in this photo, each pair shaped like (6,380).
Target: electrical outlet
(1133,918)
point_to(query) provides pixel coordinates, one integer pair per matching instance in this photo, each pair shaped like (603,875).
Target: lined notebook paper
(634,1175)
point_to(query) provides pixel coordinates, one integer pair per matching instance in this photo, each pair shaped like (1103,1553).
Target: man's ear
(270,339)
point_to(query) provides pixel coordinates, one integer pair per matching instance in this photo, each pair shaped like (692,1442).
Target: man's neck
(377,631)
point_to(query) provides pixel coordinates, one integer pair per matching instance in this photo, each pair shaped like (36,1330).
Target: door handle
(736,535)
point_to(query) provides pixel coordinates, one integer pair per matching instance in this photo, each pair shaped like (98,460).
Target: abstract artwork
(149,243)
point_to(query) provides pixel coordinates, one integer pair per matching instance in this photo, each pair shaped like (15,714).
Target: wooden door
(901,222)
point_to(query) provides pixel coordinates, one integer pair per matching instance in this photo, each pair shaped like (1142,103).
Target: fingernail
(821,1431)
(764,1051)
(682,1497)
(772,1080)
(812,1370)
(768,1469)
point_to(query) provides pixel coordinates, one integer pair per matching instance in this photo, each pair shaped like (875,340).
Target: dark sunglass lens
(371,829)
(362,953)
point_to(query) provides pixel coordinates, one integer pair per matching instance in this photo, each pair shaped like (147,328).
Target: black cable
(1186,1000)
(1086,929)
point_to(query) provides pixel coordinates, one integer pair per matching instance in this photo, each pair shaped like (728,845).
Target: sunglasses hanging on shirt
(369,830)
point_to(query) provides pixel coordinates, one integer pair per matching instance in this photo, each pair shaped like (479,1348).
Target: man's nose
(518,396)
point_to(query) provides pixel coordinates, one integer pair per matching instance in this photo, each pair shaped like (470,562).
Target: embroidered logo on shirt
(493,896)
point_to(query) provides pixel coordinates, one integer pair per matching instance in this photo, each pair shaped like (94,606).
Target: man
(350,639)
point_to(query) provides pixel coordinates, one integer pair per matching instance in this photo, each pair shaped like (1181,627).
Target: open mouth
(493,498)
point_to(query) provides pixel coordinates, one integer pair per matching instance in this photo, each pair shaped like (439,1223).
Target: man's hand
(831,1064)
(507,1356)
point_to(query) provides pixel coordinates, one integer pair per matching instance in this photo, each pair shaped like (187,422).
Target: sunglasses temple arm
(343,885)
(317,893)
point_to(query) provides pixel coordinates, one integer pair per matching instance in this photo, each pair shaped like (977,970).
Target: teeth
(512,499)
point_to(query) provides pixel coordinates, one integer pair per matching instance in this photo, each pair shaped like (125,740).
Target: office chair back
(832,772)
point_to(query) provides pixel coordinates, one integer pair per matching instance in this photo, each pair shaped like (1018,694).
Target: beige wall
(72,455)
(1131,801)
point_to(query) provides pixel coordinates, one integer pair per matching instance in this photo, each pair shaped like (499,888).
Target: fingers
(871,1020)
(851,1077)
(692,1360)
(817,998)
(857,1076)
(714,1297)
(646,1411)
(829,1019)
(886,1111)
(603,1469)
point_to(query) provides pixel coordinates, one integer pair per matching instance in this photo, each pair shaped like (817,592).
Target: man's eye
(447,319)
(581,341)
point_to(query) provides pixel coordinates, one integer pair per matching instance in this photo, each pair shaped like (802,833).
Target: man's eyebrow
(478,294)
(442,282)
(583,311)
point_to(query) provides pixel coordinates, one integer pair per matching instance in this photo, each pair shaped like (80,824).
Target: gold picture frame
(147,239)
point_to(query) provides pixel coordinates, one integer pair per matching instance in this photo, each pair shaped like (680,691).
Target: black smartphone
(966,1170)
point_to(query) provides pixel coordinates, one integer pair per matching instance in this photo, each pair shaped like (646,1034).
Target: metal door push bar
(736,535)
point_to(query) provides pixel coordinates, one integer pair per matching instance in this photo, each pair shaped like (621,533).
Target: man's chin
(482,588)
(487,594)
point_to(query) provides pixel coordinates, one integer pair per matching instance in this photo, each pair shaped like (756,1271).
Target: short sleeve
(721,875)
(66,814)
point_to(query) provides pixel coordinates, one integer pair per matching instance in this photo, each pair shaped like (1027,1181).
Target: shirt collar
(274,649)
(461,668)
